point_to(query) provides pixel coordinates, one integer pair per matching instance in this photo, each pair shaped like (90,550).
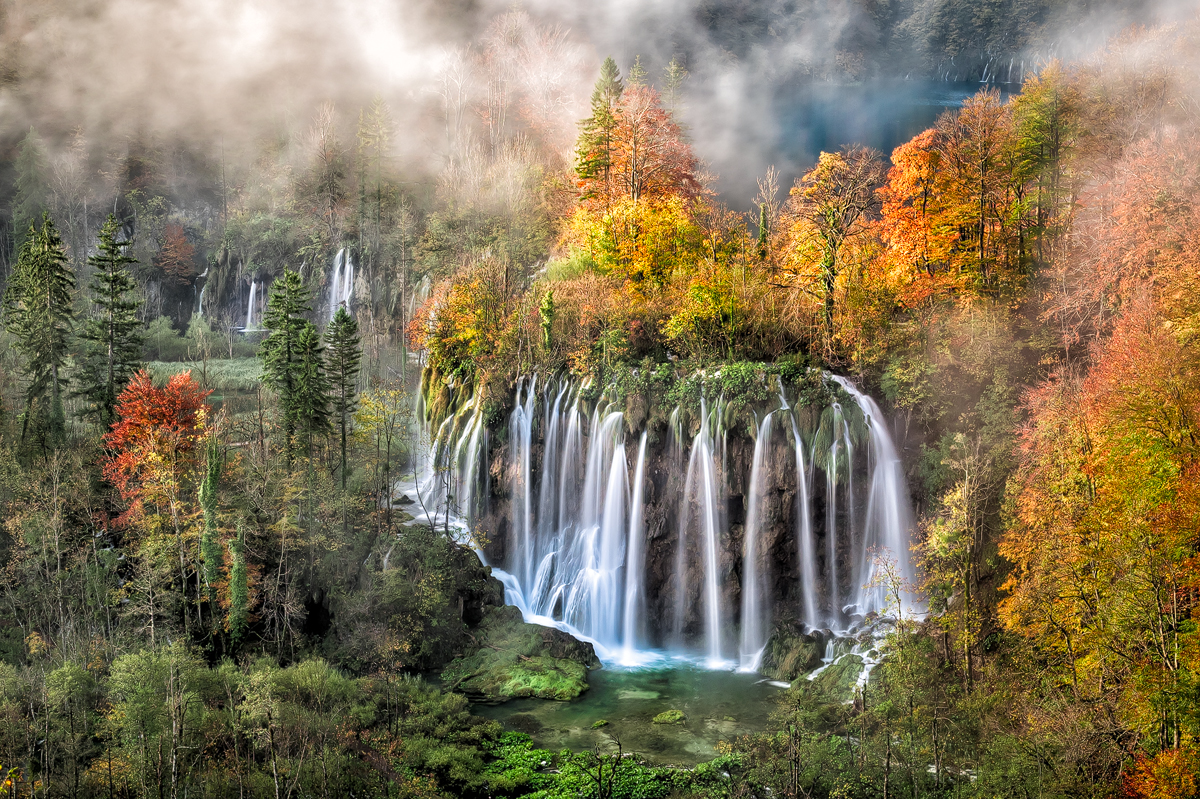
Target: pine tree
(673,79)
(280,351)
(38,313)
(112,338)
(637,73)
(345,354)
(594,149)
(311,404)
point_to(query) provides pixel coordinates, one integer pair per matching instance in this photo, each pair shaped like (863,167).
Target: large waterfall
(672,542)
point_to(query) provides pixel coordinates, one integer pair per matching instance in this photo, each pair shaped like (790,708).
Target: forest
(287,421)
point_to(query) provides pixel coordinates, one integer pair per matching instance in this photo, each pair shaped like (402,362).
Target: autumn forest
(471,436)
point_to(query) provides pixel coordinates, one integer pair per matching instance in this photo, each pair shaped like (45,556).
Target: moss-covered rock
(837,681)
(791,653)
(669,717)
(512,659)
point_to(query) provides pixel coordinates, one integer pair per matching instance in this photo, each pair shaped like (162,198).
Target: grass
(236,375)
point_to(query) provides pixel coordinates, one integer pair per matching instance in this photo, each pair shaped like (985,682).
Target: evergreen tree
(112,339)
(594,149)
(31,198)
(673,79)
(345,353)
(311,404)
(637,73)
(281,350)
(38,312)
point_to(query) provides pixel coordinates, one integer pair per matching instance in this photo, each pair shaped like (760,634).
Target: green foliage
(32,186)
(39,313)
(344,356)
(210,546)
(239,588)
(112,337)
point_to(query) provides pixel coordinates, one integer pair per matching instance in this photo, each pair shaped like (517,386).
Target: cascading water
(341,283)
(578,549)
(250,307)
(755,607)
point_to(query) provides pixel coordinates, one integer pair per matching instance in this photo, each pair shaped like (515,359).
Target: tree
(39,314)
(673,77)
(345,355)
(593,153)
(210,547)
(177,256)
(112,338)
(281,350)
(831,204)
(310,405)
(151,458)
(649,156)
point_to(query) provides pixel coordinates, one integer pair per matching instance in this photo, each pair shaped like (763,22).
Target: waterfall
(341,283)
(521,431)
(756,609)
(250,308)
(804,535)
(889,516)
(584,546)
(702,491)
(200,302)
(635,565)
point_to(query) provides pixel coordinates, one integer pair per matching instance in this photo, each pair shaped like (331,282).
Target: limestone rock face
(513,659)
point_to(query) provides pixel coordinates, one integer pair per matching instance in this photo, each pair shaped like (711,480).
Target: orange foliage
(1171,774)
(155,441)
(177,256)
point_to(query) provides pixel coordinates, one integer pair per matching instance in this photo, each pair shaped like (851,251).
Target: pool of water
(718,706)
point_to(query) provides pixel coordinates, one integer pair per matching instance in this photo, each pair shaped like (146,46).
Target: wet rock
(669,717)
(791,653)
(513,659)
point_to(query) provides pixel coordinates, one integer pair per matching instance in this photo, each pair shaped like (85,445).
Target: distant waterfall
(341,283)
(576,554)
(250,307)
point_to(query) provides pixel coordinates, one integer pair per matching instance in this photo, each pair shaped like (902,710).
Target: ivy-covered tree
(112,338)
(38,311)
(345,355)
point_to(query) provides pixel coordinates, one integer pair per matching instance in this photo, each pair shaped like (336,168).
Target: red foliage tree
(177,256)
(154,443)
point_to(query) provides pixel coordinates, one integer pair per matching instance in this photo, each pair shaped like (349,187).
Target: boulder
(511,659)
(791,653)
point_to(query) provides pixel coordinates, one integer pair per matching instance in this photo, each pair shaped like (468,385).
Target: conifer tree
(345,354)
(312,389)
(673,78)
(281,350)
(38,312)
(594,149)
(112,338)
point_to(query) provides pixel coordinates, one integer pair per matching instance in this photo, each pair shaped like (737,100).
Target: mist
(769,84)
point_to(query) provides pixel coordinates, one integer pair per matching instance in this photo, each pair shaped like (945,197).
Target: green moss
(837,681)
(600,723)
(790,654)
(669,717)
(518,660)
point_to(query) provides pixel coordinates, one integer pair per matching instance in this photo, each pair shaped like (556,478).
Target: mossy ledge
(515,660)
